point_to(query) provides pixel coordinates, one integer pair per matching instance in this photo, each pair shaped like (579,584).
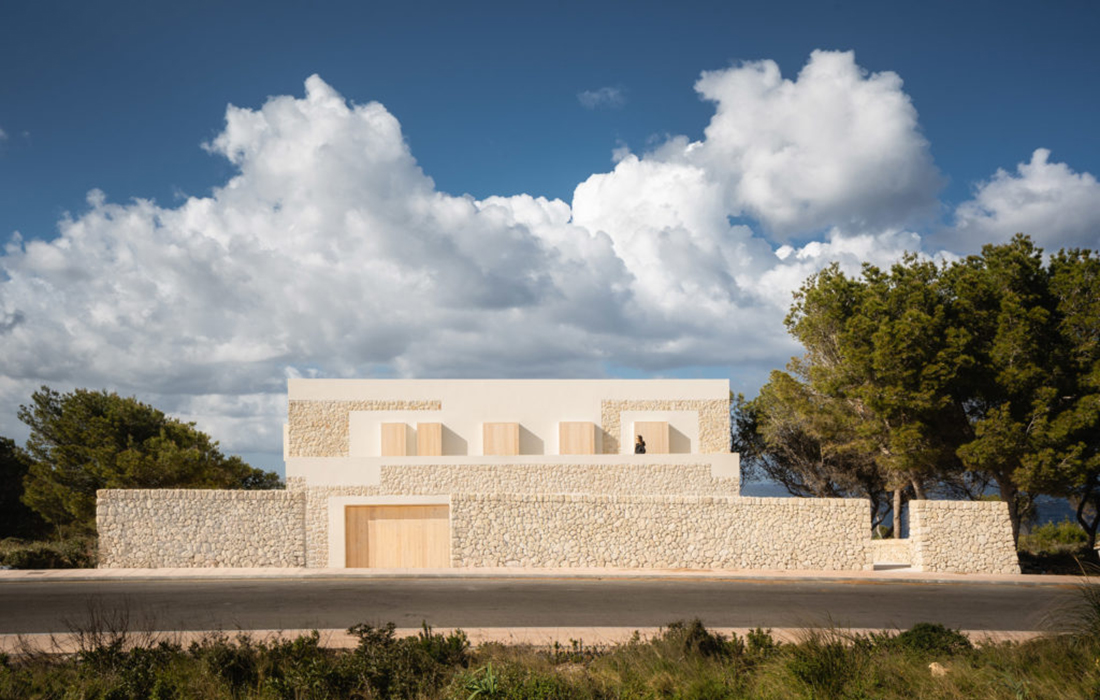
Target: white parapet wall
(166,528)
(962,537)
(648,532)
(343,417)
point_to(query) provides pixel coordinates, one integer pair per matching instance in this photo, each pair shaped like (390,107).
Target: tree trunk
(1008,495)
(1089,527)
(897,514)
(918,490)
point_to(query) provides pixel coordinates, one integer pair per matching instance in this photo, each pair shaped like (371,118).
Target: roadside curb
(869,577)
(526,636)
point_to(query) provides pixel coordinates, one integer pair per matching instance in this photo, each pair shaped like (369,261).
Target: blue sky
(653,227)
(118,96)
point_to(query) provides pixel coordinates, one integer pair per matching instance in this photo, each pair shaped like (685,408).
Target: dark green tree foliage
(1066,461)
(805,442)
(1004,298)
(885,347)
(946,377)
(88,440)
(16,519)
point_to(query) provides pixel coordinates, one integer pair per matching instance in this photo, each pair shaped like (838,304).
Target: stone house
(525,473)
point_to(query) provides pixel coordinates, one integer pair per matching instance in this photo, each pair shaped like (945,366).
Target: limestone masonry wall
(892,551)
(694,532)
(200,528)
(962,537)
(635,477)
(320,428)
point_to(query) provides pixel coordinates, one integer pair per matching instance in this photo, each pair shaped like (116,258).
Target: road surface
(61,606)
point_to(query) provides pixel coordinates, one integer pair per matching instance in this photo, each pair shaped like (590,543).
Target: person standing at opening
(639,446)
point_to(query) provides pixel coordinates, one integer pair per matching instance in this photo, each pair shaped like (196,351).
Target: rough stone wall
(437,479)
(714,420)
(164,528)
(659,532)
(320,428)
(637,478)
(891,551)
(962,537)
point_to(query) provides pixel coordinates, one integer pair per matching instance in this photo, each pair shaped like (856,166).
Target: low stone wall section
(892,551)
(648,478)
(962,537)
(165,528)
(650,532)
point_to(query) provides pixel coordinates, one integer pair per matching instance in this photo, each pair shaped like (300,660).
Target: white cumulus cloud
(836,146)
(331,253)
(1050,202)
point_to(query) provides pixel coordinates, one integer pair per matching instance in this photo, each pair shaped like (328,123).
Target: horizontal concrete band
(529,636)
(884,577)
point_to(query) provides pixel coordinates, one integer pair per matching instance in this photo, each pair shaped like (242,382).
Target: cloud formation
(835,146)
(331,253)
(610,97)
(1050,202)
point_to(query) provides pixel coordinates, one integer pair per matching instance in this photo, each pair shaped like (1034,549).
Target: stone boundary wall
(217,528)
(659,532)
(714,420)
(962,537)
(166,528)
(892,551)
(320,428)
(649,478)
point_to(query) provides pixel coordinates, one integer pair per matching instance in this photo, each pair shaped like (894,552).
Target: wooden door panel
(398,536)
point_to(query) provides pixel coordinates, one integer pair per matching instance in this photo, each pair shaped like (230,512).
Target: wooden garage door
(397,536)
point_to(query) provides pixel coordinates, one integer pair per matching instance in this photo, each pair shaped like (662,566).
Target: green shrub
(1054,538)
(132,673)
(482,684)
(236,664)
(302,668)
(927,638)
(761,646)
(388,667)
(519,683)
(71,553)
(823,665)
(693,639)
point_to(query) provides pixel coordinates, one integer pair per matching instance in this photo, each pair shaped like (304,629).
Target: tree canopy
(16,519)
(945,376)
(87,440)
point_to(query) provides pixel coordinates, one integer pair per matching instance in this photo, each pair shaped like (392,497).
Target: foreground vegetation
(76,552)
(685,661)
(1056,548)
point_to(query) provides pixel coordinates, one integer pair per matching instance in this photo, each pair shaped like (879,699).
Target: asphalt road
(59,606)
